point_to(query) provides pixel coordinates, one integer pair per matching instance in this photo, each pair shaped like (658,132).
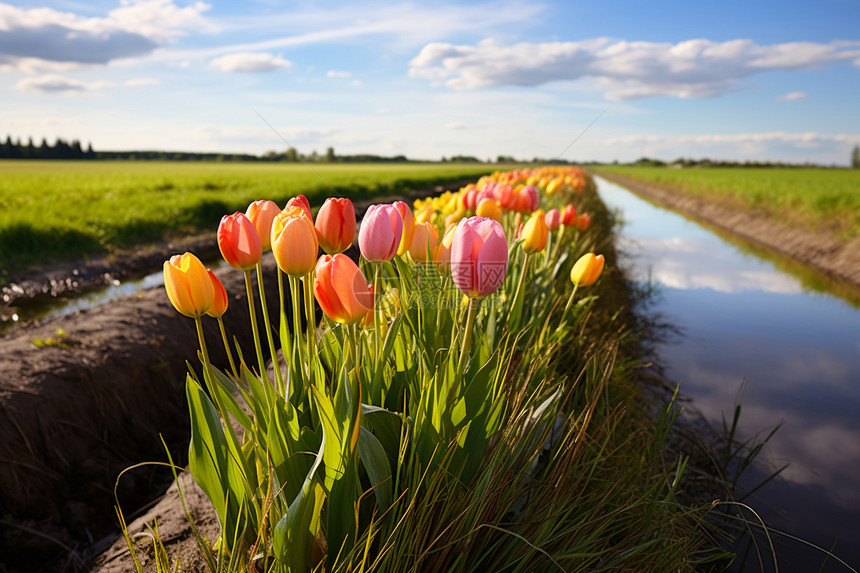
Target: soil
(85,396)
(819,250)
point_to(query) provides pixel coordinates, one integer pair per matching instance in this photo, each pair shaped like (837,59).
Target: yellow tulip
(587,270)
(535,233)
(188,285)
(489,208)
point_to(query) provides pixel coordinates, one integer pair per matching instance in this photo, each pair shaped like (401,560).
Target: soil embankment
(87,395)
(839,259)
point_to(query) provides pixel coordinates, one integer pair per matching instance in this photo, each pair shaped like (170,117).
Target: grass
(824,200)
(53,210)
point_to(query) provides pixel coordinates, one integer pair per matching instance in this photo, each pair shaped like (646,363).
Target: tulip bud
(443,253)
(535,233)
(294,242)
(583,221)
(489,208)
(336,225)
(301,201)
(219,302)
(479,256)
(553,219)
(341,290)
(528,199)
(188,285)
(425,241)
(239,242)
(262,213)
(568,216)
(586,270)
(380,233)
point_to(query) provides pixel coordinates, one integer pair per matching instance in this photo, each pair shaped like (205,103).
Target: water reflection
(745,318)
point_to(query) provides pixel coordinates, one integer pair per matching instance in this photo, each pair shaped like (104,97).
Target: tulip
(188,285)
(425,214)
(301,201)
(262,213)
(239,242)
(479,256)
(553,219)
(489,208)
(583,221)
(535,233)
(341,290)
(219,302)
(336,225)
(568,216)
(505,195)
(586,270)
(425,241)
(408,226)
(380,233)
(294,242)
(443,253)
(528,199)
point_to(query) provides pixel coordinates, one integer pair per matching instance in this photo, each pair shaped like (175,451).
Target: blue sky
(729,80)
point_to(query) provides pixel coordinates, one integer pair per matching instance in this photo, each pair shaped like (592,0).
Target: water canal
(782,342)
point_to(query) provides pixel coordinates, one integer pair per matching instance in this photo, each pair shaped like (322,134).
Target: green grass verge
(824,200)
(52,210)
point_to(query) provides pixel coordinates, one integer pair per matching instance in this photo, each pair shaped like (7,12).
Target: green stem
(264,307)
(250,294)
(310,317)
(297,321)
(207,375)
(467,337)
(569,301)
(377,323)
(522,281)
(227,348)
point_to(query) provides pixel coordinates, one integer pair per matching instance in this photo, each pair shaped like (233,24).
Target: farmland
(57,209)
(822,200)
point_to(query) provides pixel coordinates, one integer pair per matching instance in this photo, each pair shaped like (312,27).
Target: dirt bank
(825,253)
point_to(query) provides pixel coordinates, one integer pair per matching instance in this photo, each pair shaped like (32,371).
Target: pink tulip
(479,256)
(553,219)
(528,200)
(380,233)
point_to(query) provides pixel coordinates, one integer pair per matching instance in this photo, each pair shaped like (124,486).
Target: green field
(55,209)
(824,200)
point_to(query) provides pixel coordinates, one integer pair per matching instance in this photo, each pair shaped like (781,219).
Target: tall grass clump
(471,410)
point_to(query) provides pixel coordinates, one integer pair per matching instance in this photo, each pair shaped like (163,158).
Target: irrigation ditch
(85,396)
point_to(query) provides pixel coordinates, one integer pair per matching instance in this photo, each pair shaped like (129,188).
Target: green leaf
(376,463)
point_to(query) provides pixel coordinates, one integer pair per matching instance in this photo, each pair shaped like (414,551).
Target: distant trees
(60,150)
(855,157)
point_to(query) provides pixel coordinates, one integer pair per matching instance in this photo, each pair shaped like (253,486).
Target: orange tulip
(341,289)
(294,242)
(586,270)
(425,241)
(583,221)
(219,302)
(188,285)
(335,225)
(535,233)
(568,216)
(262,213)
(239,242)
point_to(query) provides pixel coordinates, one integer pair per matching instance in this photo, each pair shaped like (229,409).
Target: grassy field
(54,209)
(825,200)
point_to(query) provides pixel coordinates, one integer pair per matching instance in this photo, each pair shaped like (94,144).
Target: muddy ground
(85,396)
(821,251)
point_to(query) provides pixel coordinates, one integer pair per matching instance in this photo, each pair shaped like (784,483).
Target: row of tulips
(392,384)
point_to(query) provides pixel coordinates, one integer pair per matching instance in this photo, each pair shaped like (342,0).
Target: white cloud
(140,82)
(36,40)
(338,74)
(53,83)
(625,70)
(793,96)
(249,62)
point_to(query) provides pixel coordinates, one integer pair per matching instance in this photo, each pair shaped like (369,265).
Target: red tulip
(335,225)
(219,302)
(568,216)
(583,221)
(239,242)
